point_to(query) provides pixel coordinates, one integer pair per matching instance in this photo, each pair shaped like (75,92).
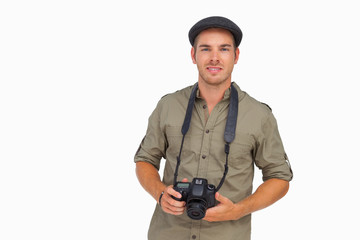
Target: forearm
(267,193)
(149,179)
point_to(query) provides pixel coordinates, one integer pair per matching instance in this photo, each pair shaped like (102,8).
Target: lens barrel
(196,209)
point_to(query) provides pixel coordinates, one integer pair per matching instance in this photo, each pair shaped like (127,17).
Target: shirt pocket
(192,141)
(173,137)
(241,151)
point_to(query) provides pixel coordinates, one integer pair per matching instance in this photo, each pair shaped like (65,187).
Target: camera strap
(229,134)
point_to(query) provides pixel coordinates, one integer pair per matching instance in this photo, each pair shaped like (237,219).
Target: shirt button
(207,131)
(204,107)
(193,236)
(203,156)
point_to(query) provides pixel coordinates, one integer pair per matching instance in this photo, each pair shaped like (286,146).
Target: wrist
(161,195)
(239,210)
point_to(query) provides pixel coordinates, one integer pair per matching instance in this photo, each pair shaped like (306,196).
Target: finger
(172,192)
(169,193)
(209,215)
(172,206)
(220,198)
(173,211)
(185,180)
(173,202)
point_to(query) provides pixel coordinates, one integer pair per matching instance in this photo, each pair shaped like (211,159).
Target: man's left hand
(223,211)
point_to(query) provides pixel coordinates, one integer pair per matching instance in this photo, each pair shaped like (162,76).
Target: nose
(214,57)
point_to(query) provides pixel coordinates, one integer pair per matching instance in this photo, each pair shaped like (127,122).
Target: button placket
(195,230)
(205,150)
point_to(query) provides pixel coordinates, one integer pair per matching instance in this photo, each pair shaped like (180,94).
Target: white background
(78,80)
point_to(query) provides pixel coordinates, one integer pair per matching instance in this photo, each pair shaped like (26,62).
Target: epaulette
(267,106)
(169,94)
(164,96)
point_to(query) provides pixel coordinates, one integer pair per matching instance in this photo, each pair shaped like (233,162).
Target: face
(215,56)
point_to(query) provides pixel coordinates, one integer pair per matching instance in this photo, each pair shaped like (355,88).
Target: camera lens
(196,209)
(195,214)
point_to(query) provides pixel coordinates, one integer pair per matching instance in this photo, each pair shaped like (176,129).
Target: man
(200,150)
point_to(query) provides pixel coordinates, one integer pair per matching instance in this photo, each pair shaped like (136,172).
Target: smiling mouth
(213,69)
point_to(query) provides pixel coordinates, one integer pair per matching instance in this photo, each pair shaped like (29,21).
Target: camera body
(198,195)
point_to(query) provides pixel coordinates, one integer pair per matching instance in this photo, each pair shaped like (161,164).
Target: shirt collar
(227,92)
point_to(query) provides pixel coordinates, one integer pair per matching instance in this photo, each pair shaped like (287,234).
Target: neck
(213,94)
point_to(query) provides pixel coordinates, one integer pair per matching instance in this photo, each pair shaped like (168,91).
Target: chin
(215,82)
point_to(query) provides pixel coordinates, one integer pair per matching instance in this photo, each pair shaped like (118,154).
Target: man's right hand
(170,205)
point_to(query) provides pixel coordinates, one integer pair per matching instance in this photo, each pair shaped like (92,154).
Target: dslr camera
(198,195)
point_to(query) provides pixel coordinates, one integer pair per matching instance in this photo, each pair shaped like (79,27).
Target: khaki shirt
(257,141)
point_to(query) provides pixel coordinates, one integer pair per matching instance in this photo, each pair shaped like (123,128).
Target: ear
(193,55)
(237,53)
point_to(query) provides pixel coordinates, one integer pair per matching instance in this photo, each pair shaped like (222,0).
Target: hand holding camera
(198,195)
(168,201)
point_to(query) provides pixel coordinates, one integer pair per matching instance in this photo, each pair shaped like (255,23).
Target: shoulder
(179,97)
(252,105)
(172,106)
(257,105)
(258,116)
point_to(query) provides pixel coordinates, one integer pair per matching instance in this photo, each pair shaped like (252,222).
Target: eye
(205,49)
(224,49)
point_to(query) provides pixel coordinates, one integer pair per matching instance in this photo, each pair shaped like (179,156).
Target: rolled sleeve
(153,145)
(270,155)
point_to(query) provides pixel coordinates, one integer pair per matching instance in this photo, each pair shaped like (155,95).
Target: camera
(198,195)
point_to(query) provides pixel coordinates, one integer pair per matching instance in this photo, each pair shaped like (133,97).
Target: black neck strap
(230,127)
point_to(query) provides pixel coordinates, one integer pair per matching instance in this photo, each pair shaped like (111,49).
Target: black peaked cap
(215,22)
